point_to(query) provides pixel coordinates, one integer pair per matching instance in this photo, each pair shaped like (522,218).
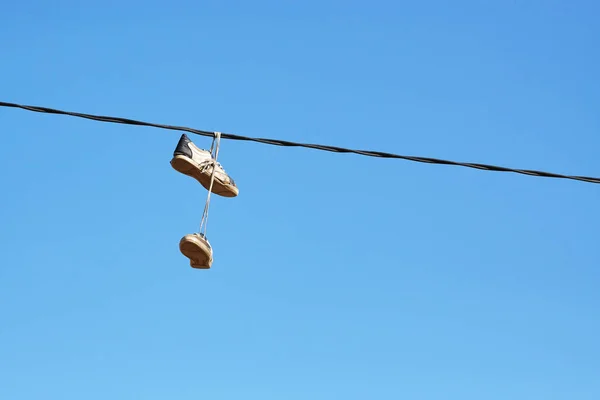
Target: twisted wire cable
(285,143)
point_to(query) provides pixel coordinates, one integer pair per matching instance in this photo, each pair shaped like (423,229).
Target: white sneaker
(198,163)
(195,246)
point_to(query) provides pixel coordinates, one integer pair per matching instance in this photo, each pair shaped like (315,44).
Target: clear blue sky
(335,276)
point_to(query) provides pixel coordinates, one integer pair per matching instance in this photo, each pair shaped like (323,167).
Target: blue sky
(335,276)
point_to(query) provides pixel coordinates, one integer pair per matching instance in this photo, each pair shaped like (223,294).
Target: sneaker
(198,163)
(196,247)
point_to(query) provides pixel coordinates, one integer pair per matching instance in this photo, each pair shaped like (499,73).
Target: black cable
(277,142)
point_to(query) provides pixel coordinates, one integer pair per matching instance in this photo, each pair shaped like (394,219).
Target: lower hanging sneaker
(198,163)
(195,247)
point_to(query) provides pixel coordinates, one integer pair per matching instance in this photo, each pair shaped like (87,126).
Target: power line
(277,142)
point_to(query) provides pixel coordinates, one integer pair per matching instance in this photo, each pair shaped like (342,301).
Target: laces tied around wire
(214,152)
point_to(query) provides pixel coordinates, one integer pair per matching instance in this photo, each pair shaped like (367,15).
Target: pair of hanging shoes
(200,164)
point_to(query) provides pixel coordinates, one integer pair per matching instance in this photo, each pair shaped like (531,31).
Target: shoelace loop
(215,145)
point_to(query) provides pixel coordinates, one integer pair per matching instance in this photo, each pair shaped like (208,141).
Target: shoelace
(215,144)
(209,163)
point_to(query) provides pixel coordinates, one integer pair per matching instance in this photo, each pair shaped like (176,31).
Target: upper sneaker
(195,246)
(198,163)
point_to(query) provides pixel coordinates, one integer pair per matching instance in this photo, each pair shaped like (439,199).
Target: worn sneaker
(195,247)
(198,163)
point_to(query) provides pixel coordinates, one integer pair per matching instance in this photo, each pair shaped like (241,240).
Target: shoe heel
(183,146)
(183,164)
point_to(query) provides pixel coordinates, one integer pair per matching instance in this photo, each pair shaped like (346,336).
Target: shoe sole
(187,167)
(197,251)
